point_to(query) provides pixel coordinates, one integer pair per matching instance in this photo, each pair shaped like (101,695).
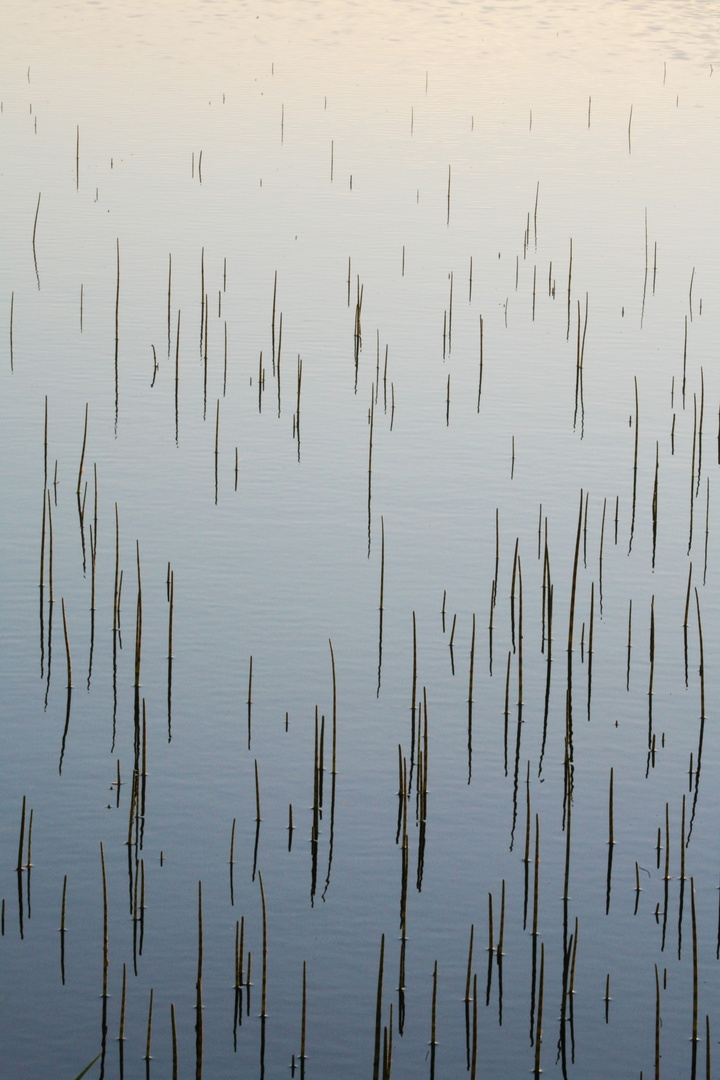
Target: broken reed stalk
(378,1011)
(652,646)
(121,1032)
(695,972)
(106,961)
(469,965)
(472,661)
(433,1026)
(67,646)
(491,933)
(520,634)
(702,659)
(611,825)
(501,936)
(263,1010)
(198,993)
(63,928)
(538,1024)
(116,594)
(21,845)
(42,545)
(257,793)
(37,212)
(304,1014)
(170,615)
(657,1023)
(448,196)
(571,621)
(149,1027)
(174,1042)
(334,712)
(138,622)
(481,364)
(82,454)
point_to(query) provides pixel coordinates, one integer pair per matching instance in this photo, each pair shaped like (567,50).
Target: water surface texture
(359,624)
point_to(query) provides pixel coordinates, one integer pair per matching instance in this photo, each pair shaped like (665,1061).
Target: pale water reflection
(359,425)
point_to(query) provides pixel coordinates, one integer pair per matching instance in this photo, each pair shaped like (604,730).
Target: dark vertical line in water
(506,713)
(548,675)
(263,998)
(370,449)
(171,602)
(629,645)
(225,358)
(204,354)
(684,364)
(700,430)
(470,697)
(655,503)
(569,293)
(450,309)
(702,716)
(382,591)
(117,333)
(666,876)
(635,466)
(539,1024)
(169,304)
(82,453)
(198,993)
(378,1011)
(249,704)
(413,698)
(652,674)
(173,1027)
(273,320)
(692,474)
(304,1015)
(278,364)
(299,384)
(480,375)
(590,646)
(658,1023)
(149,1034)
(217,438)
(448,196)
(512,594)
(37,211)
(42,587)
(203,313)
(63,931)
(695,1040)
(526,856)
(177,375)
(682,878)
(534,933)
(611,842)
(685,622)
(707,529)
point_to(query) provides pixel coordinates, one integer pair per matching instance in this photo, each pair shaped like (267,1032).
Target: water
(397,151)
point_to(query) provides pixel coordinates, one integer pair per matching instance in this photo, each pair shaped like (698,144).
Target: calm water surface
(395,327)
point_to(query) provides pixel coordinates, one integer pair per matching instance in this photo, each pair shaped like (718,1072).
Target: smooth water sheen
(195,199)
